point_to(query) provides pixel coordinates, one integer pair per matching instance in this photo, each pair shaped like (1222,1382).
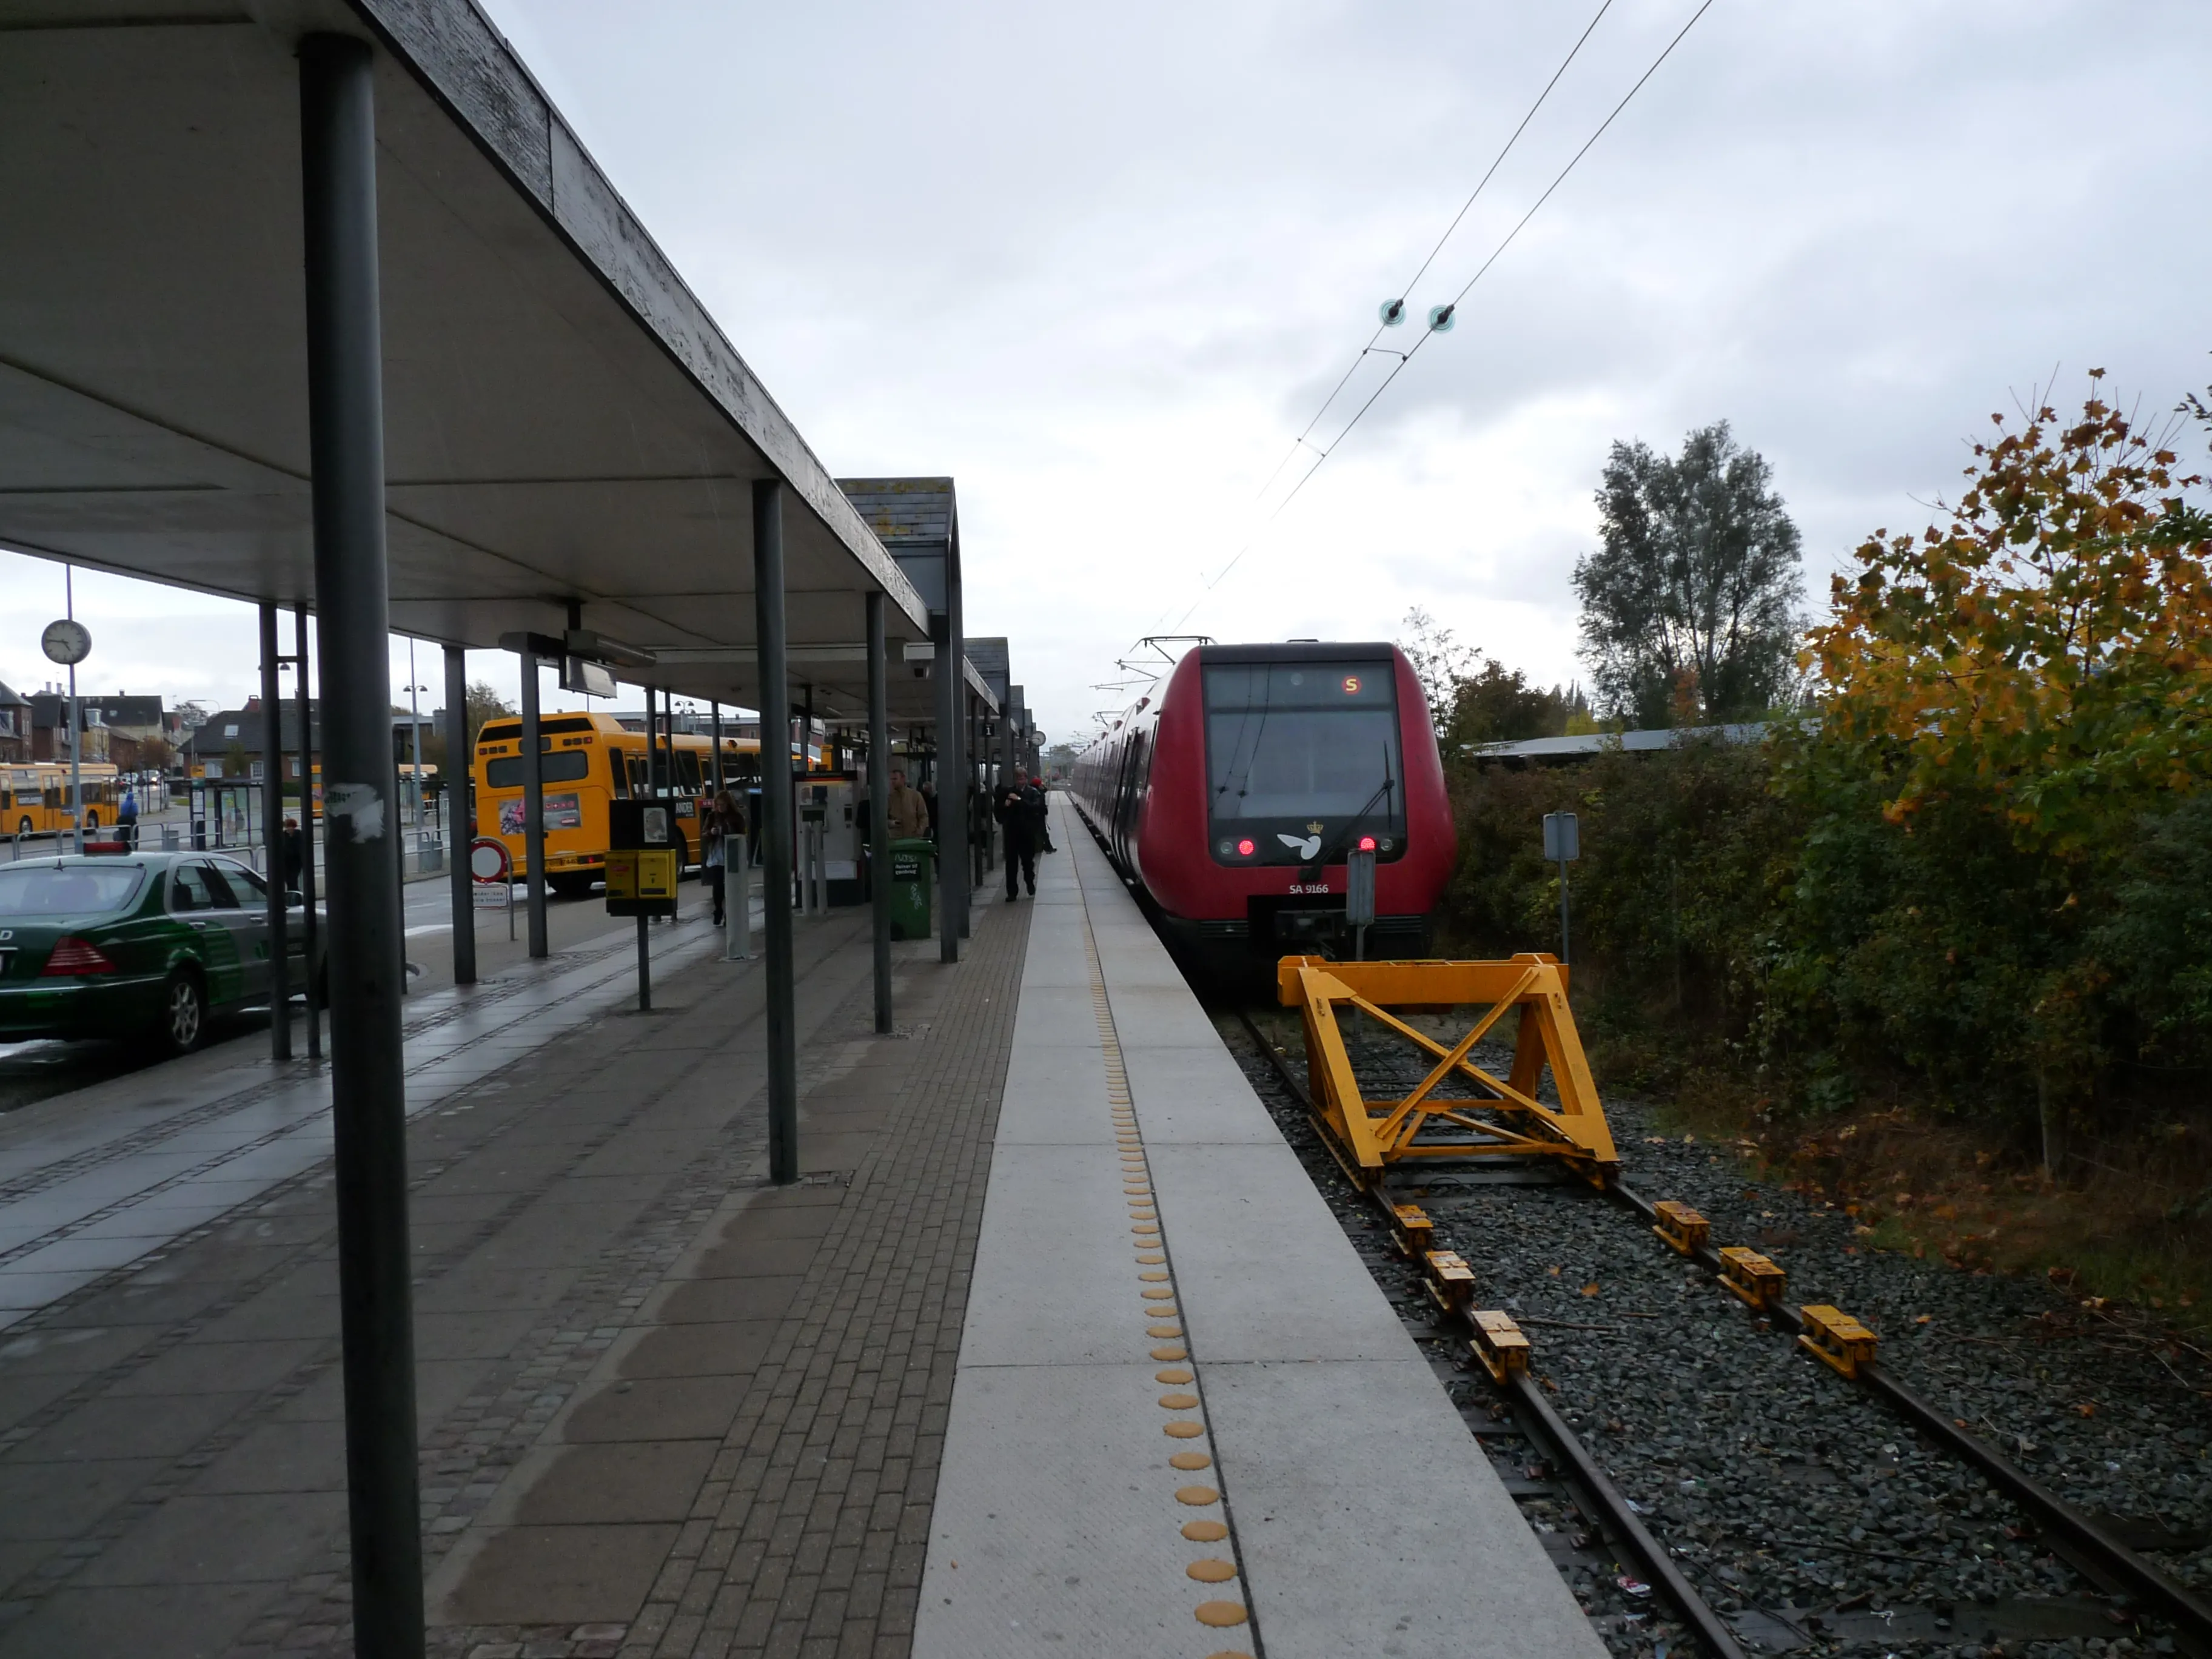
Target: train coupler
(1413,1231)
(1449,1279)
(1836,1340)
(1751,1276)
(1682,1228)
(1499,1345)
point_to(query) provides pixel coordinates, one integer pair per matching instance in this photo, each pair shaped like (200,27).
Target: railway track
(1669,1566)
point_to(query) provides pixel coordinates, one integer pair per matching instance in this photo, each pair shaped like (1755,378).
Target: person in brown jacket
(905,812)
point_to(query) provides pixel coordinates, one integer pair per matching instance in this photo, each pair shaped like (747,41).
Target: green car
(135,944)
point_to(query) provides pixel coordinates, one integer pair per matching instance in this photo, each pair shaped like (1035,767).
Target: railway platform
(1184,1419)
(1052,1347)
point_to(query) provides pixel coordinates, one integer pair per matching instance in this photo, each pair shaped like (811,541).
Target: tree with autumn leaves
(2015,703)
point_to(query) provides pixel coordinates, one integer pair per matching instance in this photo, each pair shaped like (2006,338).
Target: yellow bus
(34,797)
(590,760)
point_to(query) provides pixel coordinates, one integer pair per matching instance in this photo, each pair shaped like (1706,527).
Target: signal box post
(641,874)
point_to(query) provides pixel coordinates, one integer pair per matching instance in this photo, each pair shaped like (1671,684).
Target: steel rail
(1613,1515)
(2094,1551)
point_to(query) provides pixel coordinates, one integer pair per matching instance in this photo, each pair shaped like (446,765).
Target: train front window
(1290,745)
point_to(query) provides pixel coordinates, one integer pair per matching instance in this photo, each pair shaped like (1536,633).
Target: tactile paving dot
(1168,1352)
(1197,1497)
(1155,1276)
(1159,1293)
(1184,1429)
(1229,1653)
(1204,1532)
(1211,1571)
(1151,1261)
(1165,1330)
(1179,1402)
(1220,1614)
(1171,1377)
(1190,1461)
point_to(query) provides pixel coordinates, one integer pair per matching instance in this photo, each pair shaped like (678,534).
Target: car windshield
(68,890)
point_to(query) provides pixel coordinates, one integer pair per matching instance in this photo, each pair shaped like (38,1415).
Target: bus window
(687,771)
(561,766)
(621,773)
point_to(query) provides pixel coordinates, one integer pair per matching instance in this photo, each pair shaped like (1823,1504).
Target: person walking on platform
(722,828)
(1021,824)
(126,818)
(1033,801)
(929,804)
(906,814)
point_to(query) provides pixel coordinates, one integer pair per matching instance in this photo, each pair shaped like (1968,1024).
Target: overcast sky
(1101,264)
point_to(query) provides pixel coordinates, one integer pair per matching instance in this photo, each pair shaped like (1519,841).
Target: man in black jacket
(1021,823)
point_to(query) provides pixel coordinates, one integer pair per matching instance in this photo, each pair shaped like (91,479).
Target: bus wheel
(92,820)
(23,826)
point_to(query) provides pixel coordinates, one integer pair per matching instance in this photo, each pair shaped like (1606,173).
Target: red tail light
(73,956)
(1367,843)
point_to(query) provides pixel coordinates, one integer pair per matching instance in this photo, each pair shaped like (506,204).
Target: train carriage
(1232,794)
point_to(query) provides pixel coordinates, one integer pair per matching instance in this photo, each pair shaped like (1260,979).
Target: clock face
(66,642)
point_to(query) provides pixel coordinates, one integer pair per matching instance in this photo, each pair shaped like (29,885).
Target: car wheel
(184,1014)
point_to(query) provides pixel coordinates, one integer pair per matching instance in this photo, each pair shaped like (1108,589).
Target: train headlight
(1367,843)
(1386,843)
(1244,848)
(1226,848)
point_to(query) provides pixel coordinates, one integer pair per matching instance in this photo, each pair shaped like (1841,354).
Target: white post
(76,732)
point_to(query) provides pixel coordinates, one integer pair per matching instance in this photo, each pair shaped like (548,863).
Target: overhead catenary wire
(1322,455)
(1407,288)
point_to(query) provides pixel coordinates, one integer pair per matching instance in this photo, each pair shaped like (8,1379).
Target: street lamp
(415,732)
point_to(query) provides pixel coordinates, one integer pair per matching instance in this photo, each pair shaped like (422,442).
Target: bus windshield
(1291,742)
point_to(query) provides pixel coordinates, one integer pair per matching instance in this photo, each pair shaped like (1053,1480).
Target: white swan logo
(1306,848)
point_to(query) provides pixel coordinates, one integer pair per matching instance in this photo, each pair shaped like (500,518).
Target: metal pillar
(775,830)
(954,745)
(460,778)
(308,926)
(879,792)
(369,1101)
(272,838)
(952,801)
(533,804)
(714,720)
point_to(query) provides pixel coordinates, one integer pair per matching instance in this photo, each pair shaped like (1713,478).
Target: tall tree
(1439,661)
(1690,605)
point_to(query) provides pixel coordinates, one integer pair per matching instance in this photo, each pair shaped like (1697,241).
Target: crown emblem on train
(1313,829)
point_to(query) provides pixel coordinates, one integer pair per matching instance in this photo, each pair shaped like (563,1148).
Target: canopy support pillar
(879,793)
(345,423)
(775,830)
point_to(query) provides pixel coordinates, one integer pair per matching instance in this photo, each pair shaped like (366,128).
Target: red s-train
(1232,793)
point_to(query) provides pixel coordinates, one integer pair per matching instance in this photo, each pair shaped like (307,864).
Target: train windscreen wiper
(1333,850)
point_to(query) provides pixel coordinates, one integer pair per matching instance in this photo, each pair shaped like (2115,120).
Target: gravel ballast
(1798,1504)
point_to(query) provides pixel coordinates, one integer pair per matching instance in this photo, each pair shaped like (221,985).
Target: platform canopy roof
(564,422)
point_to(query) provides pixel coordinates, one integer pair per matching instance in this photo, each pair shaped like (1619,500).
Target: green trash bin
(913,875)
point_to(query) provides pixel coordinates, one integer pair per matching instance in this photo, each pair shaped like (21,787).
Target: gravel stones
(1778,1486)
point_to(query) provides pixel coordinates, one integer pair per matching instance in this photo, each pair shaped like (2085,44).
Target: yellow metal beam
(1504,1118)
